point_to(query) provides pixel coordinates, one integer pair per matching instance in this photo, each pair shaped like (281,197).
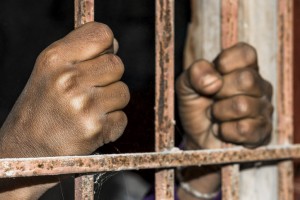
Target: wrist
(198,183)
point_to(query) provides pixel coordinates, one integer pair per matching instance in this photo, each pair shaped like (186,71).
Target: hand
(226,100)
(72,101)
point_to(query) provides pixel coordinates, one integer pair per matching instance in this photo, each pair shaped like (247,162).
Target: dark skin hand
(74,96)
(226,100)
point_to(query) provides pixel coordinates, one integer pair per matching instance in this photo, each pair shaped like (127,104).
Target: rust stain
(285,93)
(229,36)
(84,185)
(164,104)
(23,167)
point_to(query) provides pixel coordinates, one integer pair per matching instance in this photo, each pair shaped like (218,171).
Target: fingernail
(209,79)
(215,129)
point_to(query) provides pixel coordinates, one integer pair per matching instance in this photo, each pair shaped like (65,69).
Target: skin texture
(74,96)
(226,100)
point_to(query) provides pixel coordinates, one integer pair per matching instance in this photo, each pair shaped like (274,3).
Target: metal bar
(229,37)
(285,94)
(164,97)
(23,167)
(83,13)
(84,187)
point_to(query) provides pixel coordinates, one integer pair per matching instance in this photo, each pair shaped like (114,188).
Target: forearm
(30,188)
(14,144)
(205,179)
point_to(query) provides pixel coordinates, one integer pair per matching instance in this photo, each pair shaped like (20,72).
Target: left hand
(226,100)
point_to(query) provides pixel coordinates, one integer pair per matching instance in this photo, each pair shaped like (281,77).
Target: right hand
(72,102)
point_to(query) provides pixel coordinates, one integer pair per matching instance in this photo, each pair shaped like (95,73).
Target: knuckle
(49,56)
(247,80)
(115,128)
(240,105)
(201,64)
(92,128)
(124,92)
(67,80)
(116,64)
(248,51)
(244,129)
(79,103)
(100,29)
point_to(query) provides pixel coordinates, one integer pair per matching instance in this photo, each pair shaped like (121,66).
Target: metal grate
(166,156)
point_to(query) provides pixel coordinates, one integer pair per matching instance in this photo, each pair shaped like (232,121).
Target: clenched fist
(226,100)
(72,102)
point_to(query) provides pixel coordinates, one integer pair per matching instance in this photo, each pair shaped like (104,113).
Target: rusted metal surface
(22,167)
(164,93)
(229,37)
(84,187)
(229,24)
(83,13)
(285,93)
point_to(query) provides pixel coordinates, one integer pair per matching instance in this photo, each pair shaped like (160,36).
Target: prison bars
(24,167)
(285,94)
(166,156)
(164,93)
(229,37)
(83,13)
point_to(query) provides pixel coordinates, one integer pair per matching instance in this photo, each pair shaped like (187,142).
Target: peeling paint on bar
(83,13)
(229,37)
(164,93)
(285,94)
(23,167)
(84,187)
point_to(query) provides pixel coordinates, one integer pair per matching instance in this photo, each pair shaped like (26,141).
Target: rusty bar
(285,94)
(229,37)
(83,13)
(164,93)
(84,187)
(22,167)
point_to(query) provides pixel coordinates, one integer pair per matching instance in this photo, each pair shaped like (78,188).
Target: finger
(248,132)
(101,71)
(110,98)
(200,78)
(236,57)
(114,126)
(84,43)
(112,49)
(115,46)
(242,82)
(238,107)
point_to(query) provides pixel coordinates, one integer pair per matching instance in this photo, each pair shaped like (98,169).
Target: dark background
(29,26)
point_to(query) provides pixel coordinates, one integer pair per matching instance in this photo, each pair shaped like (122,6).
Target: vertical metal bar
(84,12)
(84,187)
(164,97)
(285,93)
(229,36)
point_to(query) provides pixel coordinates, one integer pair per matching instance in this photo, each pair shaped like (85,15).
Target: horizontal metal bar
(21,167)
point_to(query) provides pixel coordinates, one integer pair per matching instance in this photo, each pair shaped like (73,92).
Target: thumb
(201,78)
